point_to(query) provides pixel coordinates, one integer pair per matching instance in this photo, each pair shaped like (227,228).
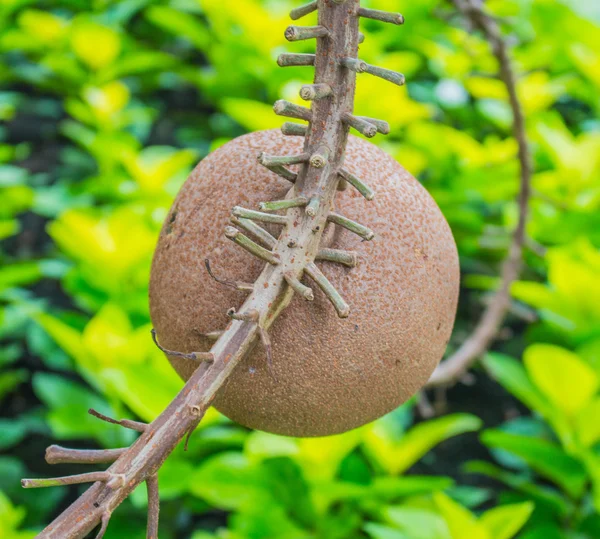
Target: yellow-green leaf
(94,44)
(505,521)
(562,376)
(461,522)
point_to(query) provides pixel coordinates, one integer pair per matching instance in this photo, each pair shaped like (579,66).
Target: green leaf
(396,457)
(252,115)
(180,24)
(228,481)
(587,424)
(262,445)
(19,274)
(461,522)
(562,376)
(544,457)
(379,531)
(68,338)
(8,228)
(541,495)
(504,522)
(510,373)
(416,522)
(10,380)
(69,403)
(96,45)
(408,485)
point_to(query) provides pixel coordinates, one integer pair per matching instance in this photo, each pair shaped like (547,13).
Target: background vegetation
(107,105)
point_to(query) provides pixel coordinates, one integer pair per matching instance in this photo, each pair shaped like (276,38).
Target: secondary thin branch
(452,369)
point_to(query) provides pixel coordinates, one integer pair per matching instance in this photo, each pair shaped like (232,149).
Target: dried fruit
(328,374)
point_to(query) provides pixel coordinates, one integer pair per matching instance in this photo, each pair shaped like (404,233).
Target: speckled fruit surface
(332,374)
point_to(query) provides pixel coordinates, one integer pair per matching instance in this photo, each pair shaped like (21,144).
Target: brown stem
(294,252)
(153,507)
(452,369)
(56,454)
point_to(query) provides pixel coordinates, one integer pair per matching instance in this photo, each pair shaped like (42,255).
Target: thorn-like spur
(299,33)
(359,66)
(357,183)
(346,258)
(313,206)
(138,426)
(291,59)
(299,12)
(382,126)
(252,215)
(313,92)
(291,129)
(378,15)
(342,308)
(256,230)
(213,335)
(112,480)
(290,110)
(276,205)
(352,226)
(281,160)
(362,126)
(55,454)
(284,172)
(104,524)
(361,38)
(193,356)
(250,316)
(253,248)
(305,291)
(244,287)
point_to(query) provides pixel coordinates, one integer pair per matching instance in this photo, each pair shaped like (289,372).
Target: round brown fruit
(332,374)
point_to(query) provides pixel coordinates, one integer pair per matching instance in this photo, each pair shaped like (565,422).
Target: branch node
(313,92)
(115,481)
(321,157)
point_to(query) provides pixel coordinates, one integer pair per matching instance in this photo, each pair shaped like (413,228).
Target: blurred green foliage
(106,106)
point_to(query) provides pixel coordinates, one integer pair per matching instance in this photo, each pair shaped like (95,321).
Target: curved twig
(453,368)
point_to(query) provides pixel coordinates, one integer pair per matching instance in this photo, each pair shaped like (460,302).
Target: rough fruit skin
(332,374)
